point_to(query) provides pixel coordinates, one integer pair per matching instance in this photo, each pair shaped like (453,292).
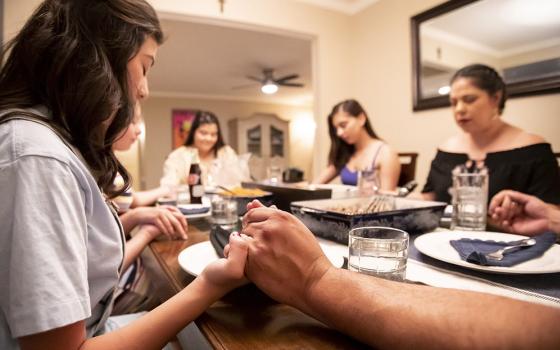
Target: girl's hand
(170,221)
(229,273)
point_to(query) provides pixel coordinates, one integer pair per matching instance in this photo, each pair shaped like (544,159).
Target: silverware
(499,254)
(379,203)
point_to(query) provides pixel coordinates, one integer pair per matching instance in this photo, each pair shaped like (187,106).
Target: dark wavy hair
(204,117)
(341,152)
(485,78)
(71,56)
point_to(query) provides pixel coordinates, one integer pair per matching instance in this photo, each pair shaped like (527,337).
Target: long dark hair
(341,152)
(485,78)
(204,117)
(71,56)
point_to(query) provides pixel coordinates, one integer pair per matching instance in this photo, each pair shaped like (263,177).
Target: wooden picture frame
(181,121)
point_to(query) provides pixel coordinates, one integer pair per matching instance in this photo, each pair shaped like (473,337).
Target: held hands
(228,273)
(285,260)
(520,213)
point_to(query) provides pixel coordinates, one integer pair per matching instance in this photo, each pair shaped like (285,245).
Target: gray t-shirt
(60,244)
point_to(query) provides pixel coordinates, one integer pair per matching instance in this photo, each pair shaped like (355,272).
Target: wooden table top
(245,318)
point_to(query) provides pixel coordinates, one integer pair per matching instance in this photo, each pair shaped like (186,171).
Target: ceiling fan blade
(246,86)
(287,77)
(250,77)
(292,84)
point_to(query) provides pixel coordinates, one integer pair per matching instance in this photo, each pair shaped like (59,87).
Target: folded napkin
(474,250)
(219,237)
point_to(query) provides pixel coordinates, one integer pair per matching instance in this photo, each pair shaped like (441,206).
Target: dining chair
(408,167)
(557,155)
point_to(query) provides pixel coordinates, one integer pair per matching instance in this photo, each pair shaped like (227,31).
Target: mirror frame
(525,88)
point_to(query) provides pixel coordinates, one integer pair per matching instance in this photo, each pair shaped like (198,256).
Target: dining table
(246,318)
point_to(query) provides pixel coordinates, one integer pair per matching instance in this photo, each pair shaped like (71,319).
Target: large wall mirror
(520,38)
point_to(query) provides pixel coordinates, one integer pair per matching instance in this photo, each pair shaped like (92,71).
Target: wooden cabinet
(266,137)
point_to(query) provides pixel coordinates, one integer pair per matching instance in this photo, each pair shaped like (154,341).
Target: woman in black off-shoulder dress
(515,159)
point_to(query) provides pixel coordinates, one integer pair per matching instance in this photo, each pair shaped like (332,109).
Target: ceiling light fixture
(269,88)
(444,90)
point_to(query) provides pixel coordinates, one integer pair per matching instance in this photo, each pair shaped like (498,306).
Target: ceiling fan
(270,84)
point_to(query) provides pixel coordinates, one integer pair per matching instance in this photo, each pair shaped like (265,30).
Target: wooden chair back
(408,167)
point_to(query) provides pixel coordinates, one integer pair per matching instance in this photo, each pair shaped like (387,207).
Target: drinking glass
(368,182)
(274,174)
(378,251)
(470,200)
(224,210)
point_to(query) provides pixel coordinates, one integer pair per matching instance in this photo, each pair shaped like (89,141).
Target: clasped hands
(276,252)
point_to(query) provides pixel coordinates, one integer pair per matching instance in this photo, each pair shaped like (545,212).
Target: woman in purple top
(355,146)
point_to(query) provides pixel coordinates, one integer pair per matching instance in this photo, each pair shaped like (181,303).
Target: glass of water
(368,182)
(378,251)
(224,210)
(470,200)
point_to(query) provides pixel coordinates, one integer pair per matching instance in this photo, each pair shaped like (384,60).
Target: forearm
(554,219)
(155,329)
(129,220)
(396,315)
(135,246)
(326,175)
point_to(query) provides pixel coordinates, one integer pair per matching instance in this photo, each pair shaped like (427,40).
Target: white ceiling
(501,27)
(349,7)
(202,60)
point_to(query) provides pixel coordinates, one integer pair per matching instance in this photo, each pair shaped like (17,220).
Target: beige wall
(382,81)
(332,62)
(366,56)
(157,116)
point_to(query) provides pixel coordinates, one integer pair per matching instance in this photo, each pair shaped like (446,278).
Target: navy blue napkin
(474,250)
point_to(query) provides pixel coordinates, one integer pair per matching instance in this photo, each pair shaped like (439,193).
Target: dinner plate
(195,258)
(437,246)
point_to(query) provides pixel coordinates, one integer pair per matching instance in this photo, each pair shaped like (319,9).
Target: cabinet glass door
(276,142)
(254,140)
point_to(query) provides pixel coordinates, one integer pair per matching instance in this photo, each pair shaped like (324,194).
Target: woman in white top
(205,142)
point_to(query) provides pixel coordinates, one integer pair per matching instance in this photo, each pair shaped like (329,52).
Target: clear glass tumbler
(470,200)
(224,210)
(378,251)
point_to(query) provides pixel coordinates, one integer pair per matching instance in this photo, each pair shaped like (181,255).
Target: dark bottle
(194,180)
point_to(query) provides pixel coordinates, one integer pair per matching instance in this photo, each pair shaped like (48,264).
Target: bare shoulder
(531,139)
(387,152)
(522,138)
(454,144)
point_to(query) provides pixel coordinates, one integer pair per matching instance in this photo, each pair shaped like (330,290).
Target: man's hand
(285,260)
(520,213)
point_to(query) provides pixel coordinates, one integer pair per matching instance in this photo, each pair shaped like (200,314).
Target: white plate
(436,245)
(198,216)
(195,258)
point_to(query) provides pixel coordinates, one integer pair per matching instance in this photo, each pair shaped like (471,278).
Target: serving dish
(326,218)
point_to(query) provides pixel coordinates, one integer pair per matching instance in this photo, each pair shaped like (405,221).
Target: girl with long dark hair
(67,91)
(355,146)
(205,143)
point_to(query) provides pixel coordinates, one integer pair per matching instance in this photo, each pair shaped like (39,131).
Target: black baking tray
(285,194)
(410,215)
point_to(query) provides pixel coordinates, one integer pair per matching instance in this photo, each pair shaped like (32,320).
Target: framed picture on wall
(181,121)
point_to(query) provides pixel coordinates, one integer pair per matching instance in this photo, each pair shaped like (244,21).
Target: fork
(499,254)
